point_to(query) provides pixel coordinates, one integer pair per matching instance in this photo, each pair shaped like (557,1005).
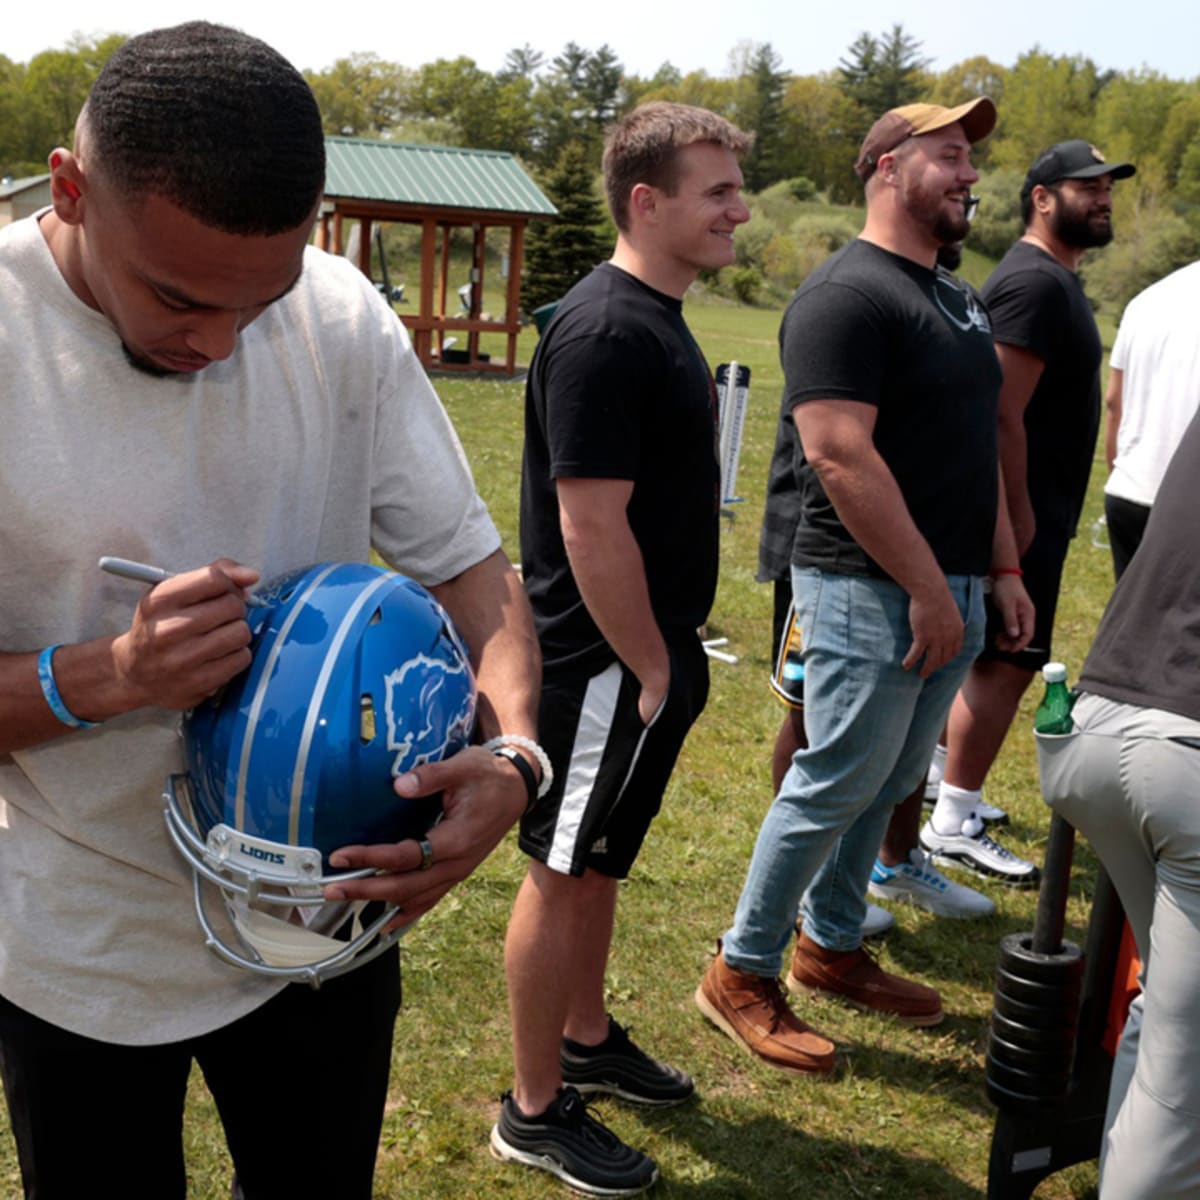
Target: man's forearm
(490,610)
(611,576)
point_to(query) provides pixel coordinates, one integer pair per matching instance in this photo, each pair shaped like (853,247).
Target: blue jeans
(871,728)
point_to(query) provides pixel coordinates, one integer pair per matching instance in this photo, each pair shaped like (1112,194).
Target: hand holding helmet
(474,822)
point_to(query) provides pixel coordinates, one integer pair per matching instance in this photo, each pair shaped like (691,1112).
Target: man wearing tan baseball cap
(891,380)
(977,118)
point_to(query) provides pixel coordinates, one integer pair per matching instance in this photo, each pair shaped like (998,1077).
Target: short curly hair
(213,120)
(644,147)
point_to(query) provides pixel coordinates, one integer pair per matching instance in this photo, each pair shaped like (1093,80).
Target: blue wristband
(50,691)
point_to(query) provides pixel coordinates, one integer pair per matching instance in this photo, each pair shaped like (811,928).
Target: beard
(1074,228)
(930,210)
(949,255)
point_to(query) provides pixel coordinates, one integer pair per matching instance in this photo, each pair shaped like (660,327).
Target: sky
(1158,34)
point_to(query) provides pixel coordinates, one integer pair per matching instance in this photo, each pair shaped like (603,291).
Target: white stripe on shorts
(587,751)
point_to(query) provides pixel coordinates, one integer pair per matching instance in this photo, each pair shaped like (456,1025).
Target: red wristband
(1007,571)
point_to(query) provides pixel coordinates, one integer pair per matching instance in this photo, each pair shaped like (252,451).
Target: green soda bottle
(1053,715)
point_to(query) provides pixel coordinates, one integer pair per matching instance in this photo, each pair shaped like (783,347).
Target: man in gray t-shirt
(1127,778)
(187,382)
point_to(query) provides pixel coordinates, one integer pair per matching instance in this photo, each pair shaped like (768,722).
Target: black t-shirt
(1147,650)
(618,389)
(782,511)
(1038,305)
(875,327)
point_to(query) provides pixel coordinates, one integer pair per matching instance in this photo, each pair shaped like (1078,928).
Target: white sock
(954,806)
(937,766)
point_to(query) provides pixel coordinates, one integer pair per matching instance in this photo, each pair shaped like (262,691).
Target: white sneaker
(989,814)
(919,882)
(973,849)
(877,921)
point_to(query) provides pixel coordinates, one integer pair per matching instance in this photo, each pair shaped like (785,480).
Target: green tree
(762,83)
(978,76)
(637,89)
(883,73)
(474,106)
(719,95)
(822,133)
(997,223)
(522,62)
(562,252)
(1132,111)
(1151,242)
(576,100)
(361,96)
(1181,131)
(1046,100)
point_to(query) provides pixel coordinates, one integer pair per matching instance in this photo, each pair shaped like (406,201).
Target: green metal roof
(444,176)
(10,187)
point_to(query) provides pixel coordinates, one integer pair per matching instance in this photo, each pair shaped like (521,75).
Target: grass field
(906,1115)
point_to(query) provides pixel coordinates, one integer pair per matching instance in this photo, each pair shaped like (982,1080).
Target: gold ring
(426,854)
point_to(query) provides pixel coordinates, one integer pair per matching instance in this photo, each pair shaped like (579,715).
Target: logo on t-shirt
(959,305)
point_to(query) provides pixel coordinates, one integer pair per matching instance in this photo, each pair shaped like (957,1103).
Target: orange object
(1124,987)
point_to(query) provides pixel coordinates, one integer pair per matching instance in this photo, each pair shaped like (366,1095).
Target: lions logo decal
(436,715)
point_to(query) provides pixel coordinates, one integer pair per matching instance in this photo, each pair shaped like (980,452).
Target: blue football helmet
(357,676)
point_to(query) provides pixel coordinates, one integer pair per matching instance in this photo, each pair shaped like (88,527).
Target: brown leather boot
(854,976)
(754,1012)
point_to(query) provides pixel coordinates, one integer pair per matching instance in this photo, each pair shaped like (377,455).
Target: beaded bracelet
(543,759)
(45,670)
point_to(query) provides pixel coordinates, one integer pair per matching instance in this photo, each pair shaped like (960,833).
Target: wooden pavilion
(440,188)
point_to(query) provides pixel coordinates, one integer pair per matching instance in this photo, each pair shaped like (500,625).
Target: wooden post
(512,313)
(478,250)
(364,246)
(423,337)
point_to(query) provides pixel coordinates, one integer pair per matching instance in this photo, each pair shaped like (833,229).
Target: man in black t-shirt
(891,380)
(619,508)
(1049,349)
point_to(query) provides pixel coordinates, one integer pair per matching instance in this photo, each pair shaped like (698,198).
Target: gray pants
(1135,795)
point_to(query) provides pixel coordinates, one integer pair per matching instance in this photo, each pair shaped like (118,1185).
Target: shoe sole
(917,1020)
(713,1014)
(906,896)
(944,859)
(638,1098)
(543,1162)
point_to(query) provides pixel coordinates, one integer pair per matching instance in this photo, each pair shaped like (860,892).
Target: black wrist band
(519,761)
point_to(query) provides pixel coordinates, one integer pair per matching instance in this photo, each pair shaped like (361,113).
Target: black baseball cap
(1075,159)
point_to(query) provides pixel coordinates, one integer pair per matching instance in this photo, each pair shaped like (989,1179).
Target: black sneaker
(617,1067)
(569,1142)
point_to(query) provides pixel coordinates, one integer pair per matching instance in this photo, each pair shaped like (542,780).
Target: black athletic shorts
(1126,524)
(1043,567)
(610,770)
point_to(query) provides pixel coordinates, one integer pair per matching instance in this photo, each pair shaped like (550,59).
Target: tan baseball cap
(977,117)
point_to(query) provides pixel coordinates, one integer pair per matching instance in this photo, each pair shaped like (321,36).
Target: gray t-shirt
(1147,650)
(317,439)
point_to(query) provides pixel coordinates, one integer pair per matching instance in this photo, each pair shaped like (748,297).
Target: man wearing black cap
(1049,349)
(892,383)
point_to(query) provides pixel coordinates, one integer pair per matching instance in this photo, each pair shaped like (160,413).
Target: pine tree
(883,73)
(562,252)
